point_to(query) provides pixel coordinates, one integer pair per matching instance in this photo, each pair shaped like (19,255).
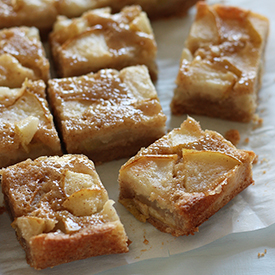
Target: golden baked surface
(222,64)
(43,13)
(61,210)
(107,115)
(22,56)
(183,178)
(26,124)
(37,13)
(99,40)
(154,9)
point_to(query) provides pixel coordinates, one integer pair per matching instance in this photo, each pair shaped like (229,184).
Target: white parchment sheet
(252,209)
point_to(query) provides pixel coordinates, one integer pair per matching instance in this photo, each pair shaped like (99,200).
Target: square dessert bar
(22,56)
(183,178)
(154,9)
(38,13)
(26,124)
(61,211)
(222,64)
(99,40)
(109,114)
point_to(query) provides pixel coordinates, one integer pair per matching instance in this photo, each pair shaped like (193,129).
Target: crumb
(129,242)
(246,140)
(145,240)
(257,121)
(233,136)
(264,160)
(264,172)
(262,254)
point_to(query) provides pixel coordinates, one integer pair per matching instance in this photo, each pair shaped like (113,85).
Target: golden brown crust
(233,136)
(155,9)
(107,115)
(50,218)
(43,13)
(184,178)
(38,13)
(222,64)
(26,128)
(99,40)
(22,56)
(100,240)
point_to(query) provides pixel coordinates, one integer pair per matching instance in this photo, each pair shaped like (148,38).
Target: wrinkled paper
(251,210)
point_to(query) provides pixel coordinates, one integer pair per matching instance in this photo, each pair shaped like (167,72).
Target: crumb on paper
(257,121)
(246,140)
(262,254)
(233,136)
(264,160)
(145,240)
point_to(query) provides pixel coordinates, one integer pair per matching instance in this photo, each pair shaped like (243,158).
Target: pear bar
(154,9)
(109,114)
(39,13)
(222,64)
(42,13)
(61,210)
(26,124)
(183,178)
(22,56)
(99,40)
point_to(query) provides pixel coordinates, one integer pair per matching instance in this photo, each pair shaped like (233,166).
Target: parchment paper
(251,210)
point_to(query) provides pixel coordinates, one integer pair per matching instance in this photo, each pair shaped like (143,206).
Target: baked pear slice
(205,170)
(61,210)
(183,178)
